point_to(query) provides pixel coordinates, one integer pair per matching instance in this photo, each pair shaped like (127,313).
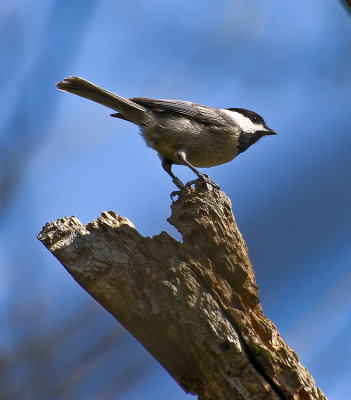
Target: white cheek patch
(245,123)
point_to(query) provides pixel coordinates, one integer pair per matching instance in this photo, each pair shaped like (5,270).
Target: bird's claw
(175,193)
(203,178)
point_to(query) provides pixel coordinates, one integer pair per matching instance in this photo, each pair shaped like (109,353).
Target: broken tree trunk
(193,305)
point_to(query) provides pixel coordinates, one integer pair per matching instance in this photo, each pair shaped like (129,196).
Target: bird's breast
(204,146)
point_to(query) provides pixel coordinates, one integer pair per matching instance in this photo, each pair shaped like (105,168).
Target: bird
(181,132)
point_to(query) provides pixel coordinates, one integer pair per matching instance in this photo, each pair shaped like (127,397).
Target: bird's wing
(197,112)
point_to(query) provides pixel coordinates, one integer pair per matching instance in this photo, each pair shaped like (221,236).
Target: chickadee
(181,132)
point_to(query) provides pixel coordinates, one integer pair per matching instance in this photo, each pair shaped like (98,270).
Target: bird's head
(252,125)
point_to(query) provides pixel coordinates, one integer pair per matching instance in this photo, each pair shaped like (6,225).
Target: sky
(61,155)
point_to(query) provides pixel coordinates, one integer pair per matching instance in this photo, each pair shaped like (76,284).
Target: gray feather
(133,112)
(196,112)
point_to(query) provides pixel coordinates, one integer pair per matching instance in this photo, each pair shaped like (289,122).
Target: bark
(193,305)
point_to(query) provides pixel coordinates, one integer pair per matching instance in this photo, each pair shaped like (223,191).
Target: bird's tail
(130,110)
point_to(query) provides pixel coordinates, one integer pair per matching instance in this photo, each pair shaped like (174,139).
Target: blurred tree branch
(193,305)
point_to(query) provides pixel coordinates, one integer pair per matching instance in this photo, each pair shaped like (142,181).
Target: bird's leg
(181,155)
(167,166)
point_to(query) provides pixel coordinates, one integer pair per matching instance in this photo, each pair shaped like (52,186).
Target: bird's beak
(270,132)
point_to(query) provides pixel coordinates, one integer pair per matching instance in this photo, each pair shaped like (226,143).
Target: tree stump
(193,304)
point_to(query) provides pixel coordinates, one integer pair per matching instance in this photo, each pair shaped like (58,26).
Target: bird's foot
(180,186)
(200,181)
(175,193)
(203,178)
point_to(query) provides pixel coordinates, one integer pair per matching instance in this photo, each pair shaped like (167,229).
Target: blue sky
(62,155)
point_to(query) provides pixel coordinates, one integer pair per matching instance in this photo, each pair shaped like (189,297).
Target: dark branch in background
(347,5)
(193,305)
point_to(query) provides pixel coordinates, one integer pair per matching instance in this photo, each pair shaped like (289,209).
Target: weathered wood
(193,305)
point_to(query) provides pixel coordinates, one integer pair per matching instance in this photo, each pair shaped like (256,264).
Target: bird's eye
(255,118)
